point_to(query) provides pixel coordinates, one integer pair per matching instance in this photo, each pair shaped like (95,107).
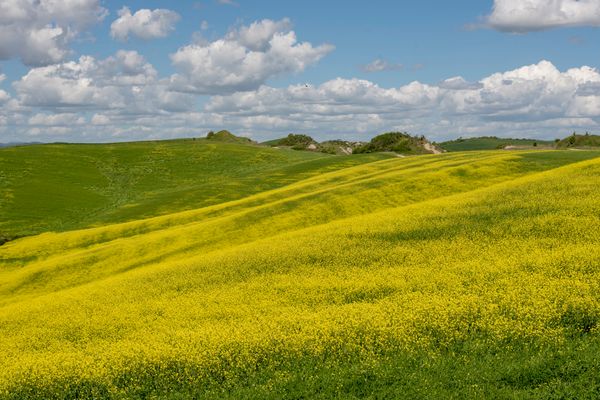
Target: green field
(578,141)
(61,187)
(491,143)
(212,270)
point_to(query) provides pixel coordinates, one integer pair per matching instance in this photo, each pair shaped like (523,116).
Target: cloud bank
(521,16)
(123,95)
(225,83)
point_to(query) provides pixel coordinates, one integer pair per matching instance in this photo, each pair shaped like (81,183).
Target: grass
(491,143)
(579,141)
(62,187)
(462,275)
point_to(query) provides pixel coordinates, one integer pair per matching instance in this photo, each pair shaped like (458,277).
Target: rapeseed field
(462,275)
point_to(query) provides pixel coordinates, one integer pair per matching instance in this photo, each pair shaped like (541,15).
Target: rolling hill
(59,187)
(227,137)
(393,142)
(492,143)
(471,274)
(398,142)
(579,141)
(294,141)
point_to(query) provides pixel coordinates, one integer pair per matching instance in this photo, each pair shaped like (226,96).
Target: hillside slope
(579,141)
(227,137)
(61,187)
(492,143)
(320,287)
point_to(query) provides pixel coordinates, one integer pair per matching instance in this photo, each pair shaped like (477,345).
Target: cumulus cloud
(535,15)
(144,24)
(39,31)
(124,82)
(56,119)
(335,97)
(244,59)
(122,95)
(100,119)
(534,99)
(4,97)
(380,65)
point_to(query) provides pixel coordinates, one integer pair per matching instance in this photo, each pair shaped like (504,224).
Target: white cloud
(4,97)
(257,36)
(244,59)
(532,100)
(126,68)
(60,85)
(67,119)
(100,119)
(145,24)
(127,100)
(124,82)
(39,31)
(536,15)
(459,83)
(380,65)
(335,97)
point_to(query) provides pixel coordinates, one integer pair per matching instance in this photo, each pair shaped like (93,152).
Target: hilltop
(294,141)
(579,141)
(396,142)
(307,143)
(227,137)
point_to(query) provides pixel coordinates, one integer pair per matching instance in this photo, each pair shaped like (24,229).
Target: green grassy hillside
(491,143)
(227,137)
(295,141)
(461,275)
(61,187)
(579,141)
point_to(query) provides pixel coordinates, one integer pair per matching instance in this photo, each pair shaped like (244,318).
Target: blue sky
(131,87)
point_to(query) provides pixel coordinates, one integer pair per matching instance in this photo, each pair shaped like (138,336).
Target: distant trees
(297,141)
(399,142)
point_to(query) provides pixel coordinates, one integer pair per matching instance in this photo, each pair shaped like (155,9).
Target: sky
(104,71)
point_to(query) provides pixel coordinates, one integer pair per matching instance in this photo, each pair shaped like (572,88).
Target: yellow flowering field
(318,288)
